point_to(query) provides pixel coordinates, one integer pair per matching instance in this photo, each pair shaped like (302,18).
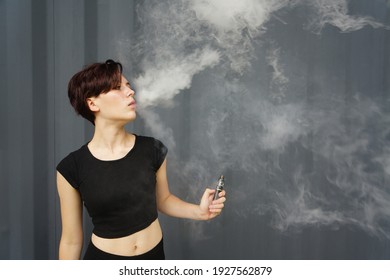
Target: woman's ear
(92,104)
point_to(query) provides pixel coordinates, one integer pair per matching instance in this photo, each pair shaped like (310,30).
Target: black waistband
(94,253)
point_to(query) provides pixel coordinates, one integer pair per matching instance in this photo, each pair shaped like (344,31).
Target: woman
(120,177)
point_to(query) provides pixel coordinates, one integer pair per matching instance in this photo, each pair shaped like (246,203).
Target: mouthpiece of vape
(219,187)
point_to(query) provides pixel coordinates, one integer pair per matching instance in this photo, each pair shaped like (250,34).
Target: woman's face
(116,105)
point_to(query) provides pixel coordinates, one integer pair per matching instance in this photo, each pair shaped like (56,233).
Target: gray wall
(301,135)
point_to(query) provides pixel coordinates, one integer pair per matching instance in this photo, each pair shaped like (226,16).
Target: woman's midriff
(131,245)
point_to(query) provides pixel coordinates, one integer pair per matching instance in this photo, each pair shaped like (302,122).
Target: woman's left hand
(211,208)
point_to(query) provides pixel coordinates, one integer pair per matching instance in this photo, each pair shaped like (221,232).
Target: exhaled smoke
(161,83)
(279,80)
(352,189)
(318,162)
(182,38)
(235,25)
(335,12)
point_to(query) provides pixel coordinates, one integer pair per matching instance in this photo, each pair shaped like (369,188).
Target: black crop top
(120,195)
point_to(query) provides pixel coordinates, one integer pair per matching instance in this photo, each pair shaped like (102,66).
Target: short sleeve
(68,168)
(160,153)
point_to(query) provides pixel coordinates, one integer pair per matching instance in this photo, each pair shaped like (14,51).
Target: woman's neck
(110,138)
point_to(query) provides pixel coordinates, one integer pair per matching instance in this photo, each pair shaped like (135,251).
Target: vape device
(219,187)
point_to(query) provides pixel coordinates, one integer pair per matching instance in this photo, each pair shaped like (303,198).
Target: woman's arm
(71,241)
(171,205)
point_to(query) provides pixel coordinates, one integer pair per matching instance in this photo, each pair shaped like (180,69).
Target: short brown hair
(93,80)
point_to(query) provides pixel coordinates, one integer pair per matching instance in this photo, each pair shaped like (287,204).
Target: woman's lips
(132,103)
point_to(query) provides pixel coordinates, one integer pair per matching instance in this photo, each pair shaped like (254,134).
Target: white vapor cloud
(269,130)
(335,12)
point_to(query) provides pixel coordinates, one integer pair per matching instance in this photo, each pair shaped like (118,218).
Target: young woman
(120,177)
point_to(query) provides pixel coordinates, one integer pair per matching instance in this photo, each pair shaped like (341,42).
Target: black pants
(94,253)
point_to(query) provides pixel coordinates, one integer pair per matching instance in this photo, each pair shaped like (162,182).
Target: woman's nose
(130,92)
